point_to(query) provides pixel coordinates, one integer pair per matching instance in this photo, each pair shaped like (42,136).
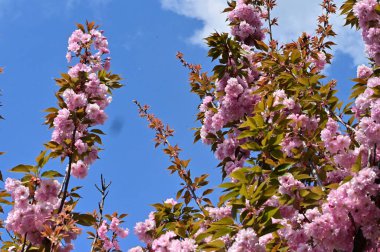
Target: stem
(66,181)
(29,246)
(269,22)
(104,193)
(188,181)
(319,181)
(329,112)
(10,235)
(369,157)
(24,244)
(163,139)
(68,173)
(374,155)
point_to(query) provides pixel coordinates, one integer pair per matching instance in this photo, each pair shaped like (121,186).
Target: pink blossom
(233,88)
(107,64)
(171,201)
(75,70)
(95,113)
(206,101)
(373,82)
(142,228)
(79,169)
(91,156)
(320,61)
(288,184)
(246,240)
(68,57)
(81,146)
(365,12)
(364,71)
(136,249)
(162,243)
(48,191)
(219,213)
(74,100)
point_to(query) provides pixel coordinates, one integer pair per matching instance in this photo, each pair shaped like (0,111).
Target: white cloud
(295,16)
(207,11)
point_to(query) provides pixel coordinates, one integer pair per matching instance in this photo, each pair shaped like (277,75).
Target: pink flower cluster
(319,62)
(333,140)
(280,98)
(116,230)
(89,95)
(348,208)
(171,201)
(31,211)
(218,213)
(246,240)
(367,111)
(229,102)
(80,40)
(237,101)
(369,22)
(168,243)
(364,72)
(334,228)
(300,124)
(227,150)
(136,249)
(288,184)
(246,23)
(341,155)
(143,229)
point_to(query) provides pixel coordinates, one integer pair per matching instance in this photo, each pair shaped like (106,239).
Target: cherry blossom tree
(300,169)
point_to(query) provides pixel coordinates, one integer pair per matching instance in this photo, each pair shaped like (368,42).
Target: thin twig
(24,244)
(331,113)
(68,172)
(104,191)
(269,21)
(163,139)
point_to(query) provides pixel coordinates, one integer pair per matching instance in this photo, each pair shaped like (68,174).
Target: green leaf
(240,175)
(98,131)
(270,229)
(227,196)
(283,168)
(51,174)
(304,81)
(227,185)
(269,212)
(215,244)
(277,154)
(84,219)
(22,168)
(206,192)
(51,110)
(251,146)
(76,188)
(222,231)
(41,159)
(358,164)
(377,9)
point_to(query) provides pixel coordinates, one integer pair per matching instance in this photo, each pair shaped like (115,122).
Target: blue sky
(144,37)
